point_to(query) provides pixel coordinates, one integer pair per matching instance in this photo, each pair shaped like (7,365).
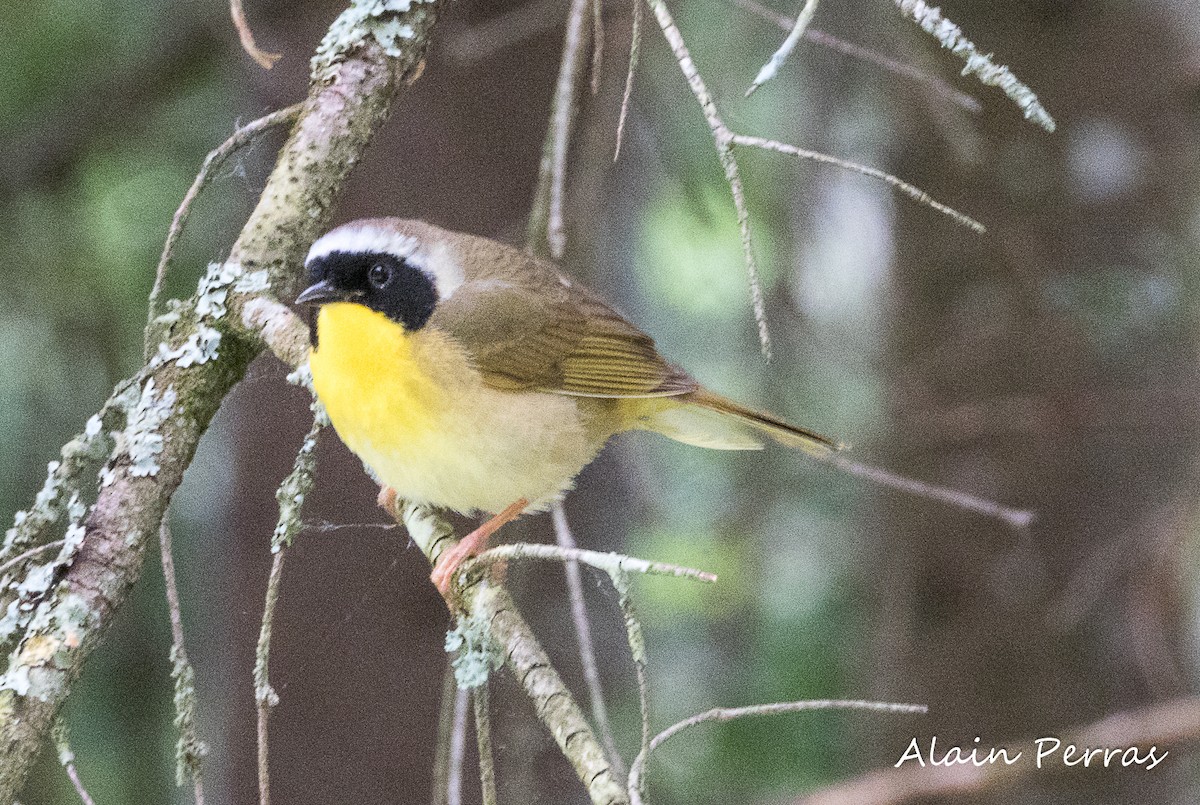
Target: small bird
(469,375)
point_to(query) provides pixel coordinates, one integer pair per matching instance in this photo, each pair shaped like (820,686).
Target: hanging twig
(458,748)
(951,37)
(265,60)
(547,230)
(441,754)
(894,66)
(583,634)
(597,44)
(721,139)
(635,45)
(215,159)
(290,495)
(483,741)
(189,750)
(637,651)
(66,758)
(780,57)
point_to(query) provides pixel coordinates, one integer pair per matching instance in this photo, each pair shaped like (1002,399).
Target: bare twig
(441,755)
(597,44)
(189,750)
(483,740)
(265,696)
(583,634)
(329,528)
(637,651)
(547,229)
(66,758)
(780,57)
(725,139)
(722,140)
(635,46)
(290,495)
(265,60)
(894,66)
(608,562)
(1017,518)
(951,37)
(215,159)
(730,713)
(458,748)
(915,193)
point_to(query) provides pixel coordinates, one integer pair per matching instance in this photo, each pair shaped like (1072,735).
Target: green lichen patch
(478,654)
(390,23)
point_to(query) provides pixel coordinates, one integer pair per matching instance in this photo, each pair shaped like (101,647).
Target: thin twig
(608,562)
(73,775)
(597,44)
(189,750)
(583,634)
(290,495)
(722,137)
(635,46)
(324,527)
(483,740)
(780,57)
(441,755)
(1017,518)
(912,191)
(240,139)
(264,695)
(265,60)
(458,748)
(731,713)
(637,651)
(21,558)
(445,728)
(951,37)
(894,66)
(546,220)
(62,743)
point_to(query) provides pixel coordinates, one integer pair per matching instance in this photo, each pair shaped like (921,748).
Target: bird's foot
(387,501)
(471,545)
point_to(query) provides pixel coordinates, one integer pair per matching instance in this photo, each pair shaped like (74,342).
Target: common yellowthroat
(471,376)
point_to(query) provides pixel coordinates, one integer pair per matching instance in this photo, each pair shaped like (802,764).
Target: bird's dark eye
(380,275)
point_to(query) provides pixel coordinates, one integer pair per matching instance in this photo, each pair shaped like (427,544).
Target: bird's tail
(709,420)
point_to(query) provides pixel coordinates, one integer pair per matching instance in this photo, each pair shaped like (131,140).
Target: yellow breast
(365,370)
(412,407)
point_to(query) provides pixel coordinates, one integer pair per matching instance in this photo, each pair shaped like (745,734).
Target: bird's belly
(479,456)
(429,428)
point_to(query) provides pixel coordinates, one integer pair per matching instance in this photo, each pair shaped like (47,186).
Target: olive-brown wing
(556,338)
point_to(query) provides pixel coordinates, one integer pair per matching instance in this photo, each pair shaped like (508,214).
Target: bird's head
(399,268)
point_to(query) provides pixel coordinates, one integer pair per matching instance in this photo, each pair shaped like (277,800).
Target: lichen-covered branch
(146,434)
(980,65)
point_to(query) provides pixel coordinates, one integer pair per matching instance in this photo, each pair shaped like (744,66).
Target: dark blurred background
(1050,365)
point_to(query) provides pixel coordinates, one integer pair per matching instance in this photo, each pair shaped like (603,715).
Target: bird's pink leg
(471,545)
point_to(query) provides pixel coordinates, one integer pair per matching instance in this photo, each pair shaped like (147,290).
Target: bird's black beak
(319,293)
